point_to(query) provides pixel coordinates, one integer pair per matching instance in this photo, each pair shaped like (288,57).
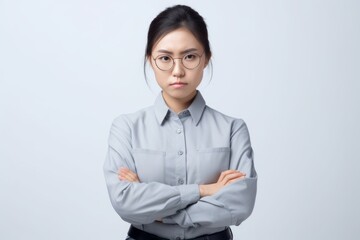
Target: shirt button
(179,131)
(180,152)
(181,181)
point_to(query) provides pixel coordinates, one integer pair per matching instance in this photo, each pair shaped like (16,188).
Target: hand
(226,178)
(125,174)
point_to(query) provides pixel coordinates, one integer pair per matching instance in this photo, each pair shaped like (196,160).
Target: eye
(190,57)
(164,58)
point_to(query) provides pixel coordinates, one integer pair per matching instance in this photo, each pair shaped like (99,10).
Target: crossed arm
(226,178)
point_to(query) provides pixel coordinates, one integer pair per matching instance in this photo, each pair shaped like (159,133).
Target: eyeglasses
(189,61)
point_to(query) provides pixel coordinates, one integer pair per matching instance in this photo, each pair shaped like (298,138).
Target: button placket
(181,153)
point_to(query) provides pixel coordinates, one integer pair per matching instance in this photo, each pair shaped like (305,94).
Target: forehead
(177,41)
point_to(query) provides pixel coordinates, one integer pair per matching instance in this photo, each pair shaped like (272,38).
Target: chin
(181,94)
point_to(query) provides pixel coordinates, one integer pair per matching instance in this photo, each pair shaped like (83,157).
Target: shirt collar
(196,108)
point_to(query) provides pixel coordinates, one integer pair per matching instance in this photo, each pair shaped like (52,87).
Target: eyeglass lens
(166,62)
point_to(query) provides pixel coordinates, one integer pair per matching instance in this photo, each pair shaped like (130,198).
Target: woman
(180,169)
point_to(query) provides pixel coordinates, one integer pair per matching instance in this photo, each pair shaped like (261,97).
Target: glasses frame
(173,60)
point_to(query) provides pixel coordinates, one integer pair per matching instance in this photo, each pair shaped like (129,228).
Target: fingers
(234,180)
(229,174)
(127,175)
(224,173)
(232,176)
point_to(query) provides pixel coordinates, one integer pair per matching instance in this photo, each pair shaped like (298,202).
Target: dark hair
(174,18)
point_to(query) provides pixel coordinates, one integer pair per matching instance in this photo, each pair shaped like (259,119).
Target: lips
(178,83)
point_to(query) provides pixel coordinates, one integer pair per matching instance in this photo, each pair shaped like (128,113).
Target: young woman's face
(178,80)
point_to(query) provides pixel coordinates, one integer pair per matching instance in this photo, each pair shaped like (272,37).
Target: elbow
(243,215)
(130,214)
(129,211)
(245,211)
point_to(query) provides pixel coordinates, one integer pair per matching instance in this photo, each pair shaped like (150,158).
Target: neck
(178,104)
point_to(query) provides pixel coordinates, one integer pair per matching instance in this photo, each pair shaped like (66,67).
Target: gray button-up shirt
(173,154)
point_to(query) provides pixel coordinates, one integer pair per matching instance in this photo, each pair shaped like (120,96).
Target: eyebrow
(183,52)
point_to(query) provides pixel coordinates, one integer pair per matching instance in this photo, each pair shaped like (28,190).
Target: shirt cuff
(188,194)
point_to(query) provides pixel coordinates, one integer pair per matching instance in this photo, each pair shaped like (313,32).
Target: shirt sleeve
(139,203)
(233,203)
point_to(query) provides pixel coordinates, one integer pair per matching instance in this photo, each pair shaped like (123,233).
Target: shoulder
(236,126)
(129,119)
(124,125)
(222,118)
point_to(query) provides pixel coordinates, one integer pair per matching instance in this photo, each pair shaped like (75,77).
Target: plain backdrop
(290,69)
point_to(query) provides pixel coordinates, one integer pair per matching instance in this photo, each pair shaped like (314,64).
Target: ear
(207,60)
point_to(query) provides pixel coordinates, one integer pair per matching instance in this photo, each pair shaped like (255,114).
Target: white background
(290,69)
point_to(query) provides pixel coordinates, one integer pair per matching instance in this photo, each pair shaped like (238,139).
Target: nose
(178,69)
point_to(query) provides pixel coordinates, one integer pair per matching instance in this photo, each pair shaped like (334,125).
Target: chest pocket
(211,162)
(150,165)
